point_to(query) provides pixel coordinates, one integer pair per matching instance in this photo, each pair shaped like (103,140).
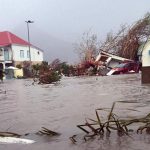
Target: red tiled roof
(8,38)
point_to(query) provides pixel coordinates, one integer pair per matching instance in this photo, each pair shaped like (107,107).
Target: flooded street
(25,108)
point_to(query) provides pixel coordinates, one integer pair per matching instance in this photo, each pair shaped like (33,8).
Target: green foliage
(63,68)
(54,76)
(45,63)
(46,73)
(44,66)
(51,73)
(49,77)
(19,66)
(36,67)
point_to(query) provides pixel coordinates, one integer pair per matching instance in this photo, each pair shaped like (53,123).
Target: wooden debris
(9,134)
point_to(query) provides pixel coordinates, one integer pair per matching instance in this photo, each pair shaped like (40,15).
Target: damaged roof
(105,54)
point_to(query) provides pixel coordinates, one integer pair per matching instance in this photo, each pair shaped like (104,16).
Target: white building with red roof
(14,50)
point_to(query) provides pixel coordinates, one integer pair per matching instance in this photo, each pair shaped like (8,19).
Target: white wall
(34,53)
(146,55)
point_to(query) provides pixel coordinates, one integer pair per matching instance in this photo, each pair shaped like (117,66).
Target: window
(1,52)
(6,53)
(21,53)
(28,54)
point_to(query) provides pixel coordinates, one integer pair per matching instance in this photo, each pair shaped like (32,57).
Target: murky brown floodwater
(25,108)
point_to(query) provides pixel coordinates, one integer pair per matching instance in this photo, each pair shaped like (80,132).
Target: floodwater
(25,108)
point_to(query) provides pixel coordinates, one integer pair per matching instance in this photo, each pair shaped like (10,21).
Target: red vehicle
(126,67)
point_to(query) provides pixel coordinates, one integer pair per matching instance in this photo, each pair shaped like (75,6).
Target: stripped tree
(126,42)
(88,47)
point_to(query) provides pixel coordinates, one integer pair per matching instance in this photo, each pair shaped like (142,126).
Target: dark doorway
(1,66)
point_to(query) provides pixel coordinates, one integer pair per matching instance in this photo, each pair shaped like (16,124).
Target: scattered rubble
(106,61)
(117,48)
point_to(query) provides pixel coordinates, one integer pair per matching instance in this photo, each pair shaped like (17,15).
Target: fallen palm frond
(46,131)
(127,41)
(94,127)
(72,138)
(9,134)
(146,126)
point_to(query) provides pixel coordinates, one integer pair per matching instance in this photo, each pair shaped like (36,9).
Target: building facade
(146,62)
(14,51)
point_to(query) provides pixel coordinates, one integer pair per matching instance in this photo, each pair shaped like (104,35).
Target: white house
(14,50)
(145,57)
(146,54)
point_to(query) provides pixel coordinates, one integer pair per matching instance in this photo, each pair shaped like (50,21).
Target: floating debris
(72,138)
(9,134)
(10,138)
(46,131)
(95,127)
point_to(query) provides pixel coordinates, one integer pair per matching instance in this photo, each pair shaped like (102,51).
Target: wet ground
(25,108)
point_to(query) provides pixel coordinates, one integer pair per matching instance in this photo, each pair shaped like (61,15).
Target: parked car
(126,67)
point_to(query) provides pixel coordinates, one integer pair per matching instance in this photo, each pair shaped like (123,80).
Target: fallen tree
(127,41)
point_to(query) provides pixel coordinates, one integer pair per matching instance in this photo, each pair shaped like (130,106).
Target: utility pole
(28,22)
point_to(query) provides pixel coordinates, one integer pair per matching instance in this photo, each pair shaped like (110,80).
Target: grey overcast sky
(66,20)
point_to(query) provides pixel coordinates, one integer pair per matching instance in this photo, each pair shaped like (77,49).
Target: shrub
(49,77)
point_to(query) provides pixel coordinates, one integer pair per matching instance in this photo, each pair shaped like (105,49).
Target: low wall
(21,63)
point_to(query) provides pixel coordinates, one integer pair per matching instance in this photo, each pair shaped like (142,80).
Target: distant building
(145,58)
(14,50)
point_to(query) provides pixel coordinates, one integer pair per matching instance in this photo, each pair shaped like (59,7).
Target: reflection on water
(25,108)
